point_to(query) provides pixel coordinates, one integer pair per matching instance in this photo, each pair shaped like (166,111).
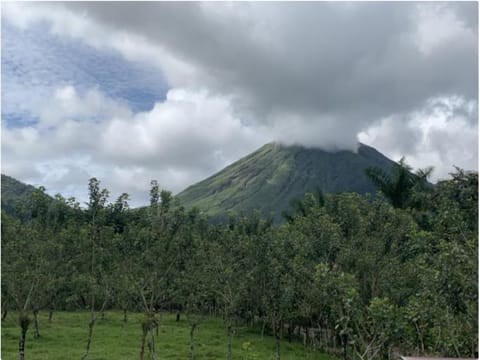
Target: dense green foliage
(268,178)
(14,193)
(349,274)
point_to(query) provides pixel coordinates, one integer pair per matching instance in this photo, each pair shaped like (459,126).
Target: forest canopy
(361,276)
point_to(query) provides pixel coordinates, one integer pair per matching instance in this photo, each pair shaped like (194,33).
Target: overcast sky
(130,92)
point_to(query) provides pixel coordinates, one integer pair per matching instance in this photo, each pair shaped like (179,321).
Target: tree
(195,289)
(158,256)
(335,294)
(302,207)
(126,252)
(226,270)
(398,185)
(21,270)
(97,279)
(374,329)
(284,281)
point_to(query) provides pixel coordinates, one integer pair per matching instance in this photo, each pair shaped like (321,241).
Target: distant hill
(270,177)
(14,192)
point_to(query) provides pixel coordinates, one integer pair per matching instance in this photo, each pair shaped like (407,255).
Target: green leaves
(398,184)
(365,272)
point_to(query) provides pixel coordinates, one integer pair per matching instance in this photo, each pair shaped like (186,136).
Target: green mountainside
(14,192)
(266,180)
(270,177)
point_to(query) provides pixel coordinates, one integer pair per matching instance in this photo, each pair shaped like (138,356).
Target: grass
(65,338)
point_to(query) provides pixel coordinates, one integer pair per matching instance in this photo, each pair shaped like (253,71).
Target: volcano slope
(270,177)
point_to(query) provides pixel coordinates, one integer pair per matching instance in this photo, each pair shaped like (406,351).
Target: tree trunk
(264,322)
(344,343)
(36,333)
(151,347)
(147,328)
(178,316)
(420,339)
(24,322)
(192,343)
(229,345)
(89,339)
(142,345)
(50,316)
(277,340)
(5,312)
(124,322)
(21,344)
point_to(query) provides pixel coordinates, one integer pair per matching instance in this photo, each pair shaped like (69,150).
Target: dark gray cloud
(355,62)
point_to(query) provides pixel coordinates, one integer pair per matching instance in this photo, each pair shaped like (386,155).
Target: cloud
(35,63)
(339,57)
(79,29)
(180,141)
(66,104)
(354,64)
(440,133)
(175,91)
(187,131)
(439,25)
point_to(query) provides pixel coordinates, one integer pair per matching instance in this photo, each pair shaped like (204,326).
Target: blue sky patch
(35,63)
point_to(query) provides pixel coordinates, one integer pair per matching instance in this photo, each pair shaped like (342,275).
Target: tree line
(359,276)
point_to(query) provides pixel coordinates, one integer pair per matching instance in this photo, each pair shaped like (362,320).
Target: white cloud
(79,25)
(440,134)
(66,104)
(178,142)
(438,25)
(189,130)
(309,131)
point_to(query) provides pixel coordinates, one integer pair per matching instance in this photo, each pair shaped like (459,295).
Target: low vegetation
(64,338)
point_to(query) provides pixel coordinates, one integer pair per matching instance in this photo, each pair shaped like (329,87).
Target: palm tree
(399,183)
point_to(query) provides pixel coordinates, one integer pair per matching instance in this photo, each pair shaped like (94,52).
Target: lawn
(65,338)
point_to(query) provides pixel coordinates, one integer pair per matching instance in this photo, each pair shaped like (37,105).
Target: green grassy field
(65,338)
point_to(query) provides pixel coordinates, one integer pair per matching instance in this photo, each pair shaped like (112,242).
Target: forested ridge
(359,276)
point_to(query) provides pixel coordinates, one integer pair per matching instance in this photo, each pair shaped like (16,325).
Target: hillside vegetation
(360,276)
(14,193)
(270,177)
